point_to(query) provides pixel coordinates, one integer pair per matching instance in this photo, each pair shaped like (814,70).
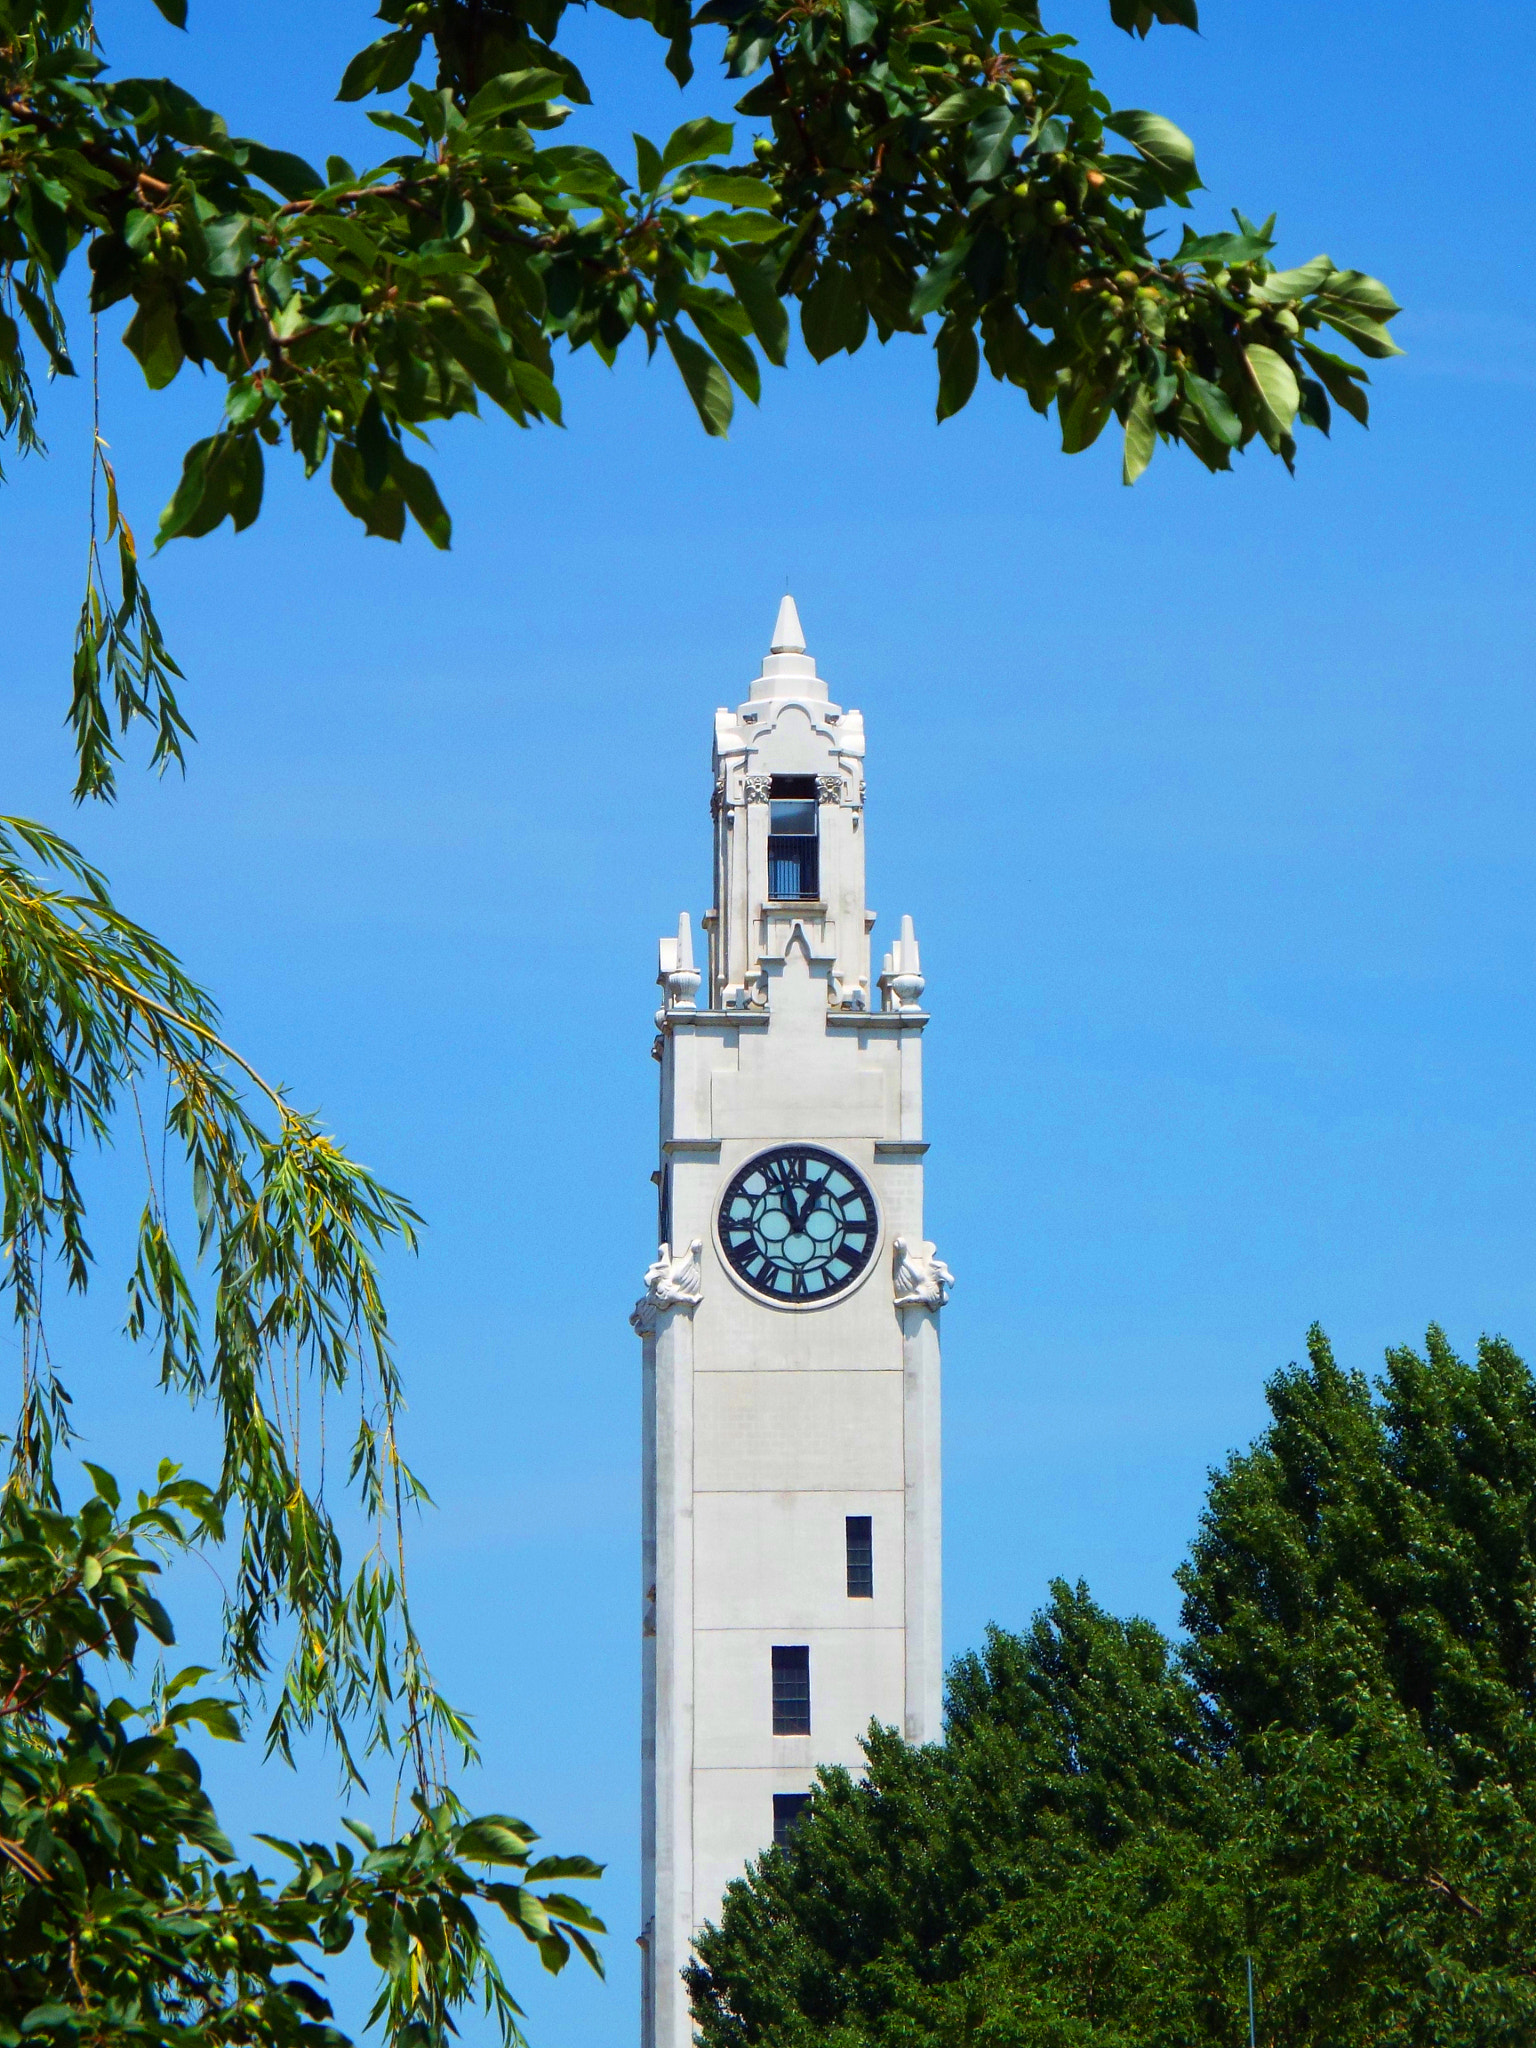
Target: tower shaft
(790,1329)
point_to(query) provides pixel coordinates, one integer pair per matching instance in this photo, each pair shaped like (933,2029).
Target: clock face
(798,1224)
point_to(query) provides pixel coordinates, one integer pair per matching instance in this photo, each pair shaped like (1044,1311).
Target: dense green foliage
(952,170)
(1334,1775)
(122,1915)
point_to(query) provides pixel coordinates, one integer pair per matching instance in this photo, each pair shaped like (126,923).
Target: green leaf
(1223,248)
(739,227)
(959,106)
(1140,437)
(754,279)
(1137,16)
(932,288)
(1314,410)
(513,89)
(48,2019)
(103,1482)
(175,12)
(382,512)
(1279,394)
(706,381)
(564,1866)
(696,140)
(231,241)
(1341,379)
(287,174)
(959,363)
(1368,294)
(221,478)
(734,353)
(832,313)
(154,336)
(991,142)
(648,170)
(732,188)
(1368,335)
(1215,408)
(536,390)
(383,67)
(1166,148)
(583,173)
(420,494)
(561,1906)
(214,1715)
(860,20)
(1282,287)
(487,1839)
(1084,417)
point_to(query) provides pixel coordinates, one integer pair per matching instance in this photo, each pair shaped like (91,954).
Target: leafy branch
(952,171)
(289,1227)
(122,1914)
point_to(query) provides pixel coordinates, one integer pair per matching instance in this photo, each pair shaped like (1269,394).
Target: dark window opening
(794,869)
(861,1558)
(787,1809)
(791,1689)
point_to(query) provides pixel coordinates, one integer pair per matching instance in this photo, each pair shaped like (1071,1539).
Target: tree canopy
(1332,1775)
(952,170)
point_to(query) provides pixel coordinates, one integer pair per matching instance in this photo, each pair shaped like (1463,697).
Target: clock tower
(789,1326)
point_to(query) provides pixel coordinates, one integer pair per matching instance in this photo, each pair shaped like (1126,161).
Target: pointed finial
(787,635)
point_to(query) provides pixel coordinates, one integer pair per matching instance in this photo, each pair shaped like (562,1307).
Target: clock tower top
(788,808)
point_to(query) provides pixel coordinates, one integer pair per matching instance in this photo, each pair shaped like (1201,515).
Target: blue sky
(1210,801)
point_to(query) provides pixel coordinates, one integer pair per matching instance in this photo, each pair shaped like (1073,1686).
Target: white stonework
(768,1423)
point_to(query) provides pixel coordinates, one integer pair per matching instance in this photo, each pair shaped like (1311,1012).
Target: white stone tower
(790,1328)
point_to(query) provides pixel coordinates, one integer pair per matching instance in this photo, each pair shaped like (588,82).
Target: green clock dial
(798,1224)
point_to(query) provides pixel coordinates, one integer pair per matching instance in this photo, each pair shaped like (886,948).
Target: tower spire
(788,638)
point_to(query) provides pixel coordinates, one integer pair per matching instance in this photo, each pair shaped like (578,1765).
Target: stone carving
(757,788)
(922,1281)
(901,976)
(829,789)
(675,1282)
(676,971)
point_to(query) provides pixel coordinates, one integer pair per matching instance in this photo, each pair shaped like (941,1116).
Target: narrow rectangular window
(787,1809)
(861,1558)
(794,869)
(791,1689)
